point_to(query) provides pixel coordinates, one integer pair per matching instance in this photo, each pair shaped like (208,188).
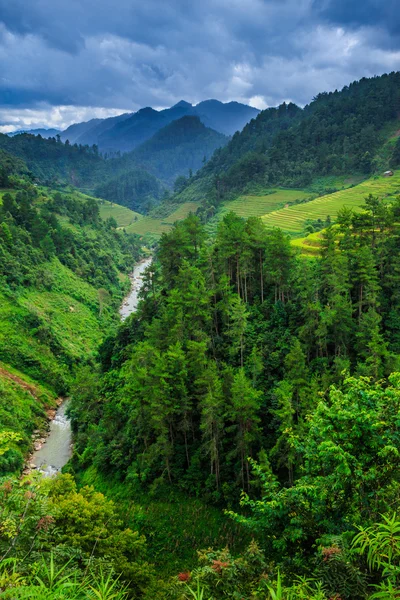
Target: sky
(65,61)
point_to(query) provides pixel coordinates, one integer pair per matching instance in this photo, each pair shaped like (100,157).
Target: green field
(292,219)
(153,227)
(124,216)
(310,245)
(256,205)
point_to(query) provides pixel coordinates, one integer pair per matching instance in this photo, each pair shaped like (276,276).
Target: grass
(292,219)
(152,227)
(45,332)
(123,216)
(175,525)
(22,410)
(255,205)
(310,245)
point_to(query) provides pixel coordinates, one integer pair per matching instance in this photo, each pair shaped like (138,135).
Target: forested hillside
(134,188)
(51,162)
(180,148)
(61,279)
(338,133)
(251,369)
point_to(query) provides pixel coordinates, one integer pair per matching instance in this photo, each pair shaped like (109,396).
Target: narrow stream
(131,301)
(57,450)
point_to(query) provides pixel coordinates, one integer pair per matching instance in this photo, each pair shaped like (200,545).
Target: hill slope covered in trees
(337,133)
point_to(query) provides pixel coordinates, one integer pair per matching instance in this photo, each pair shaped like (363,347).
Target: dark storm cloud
(372,13)
(105,56)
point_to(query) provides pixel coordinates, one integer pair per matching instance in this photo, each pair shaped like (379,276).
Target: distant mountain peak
(182,104)
(147,110)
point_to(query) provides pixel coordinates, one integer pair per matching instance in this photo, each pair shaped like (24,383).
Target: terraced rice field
(292,218)
(310,245)
(124,216)
(155,227)
(255,206)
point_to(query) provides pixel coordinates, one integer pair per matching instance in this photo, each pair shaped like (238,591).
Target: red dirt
(26,386)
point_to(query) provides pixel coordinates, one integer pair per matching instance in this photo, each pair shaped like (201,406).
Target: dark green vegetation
(182,146)
(134,188)
(61,281)
(171,155)
(51,162)
(250,368)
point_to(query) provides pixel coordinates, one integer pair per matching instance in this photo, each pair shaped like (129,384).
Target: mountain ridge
(127,131)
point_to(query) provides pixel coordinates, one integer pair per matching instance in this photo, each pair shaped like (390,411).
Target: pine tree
(243,412)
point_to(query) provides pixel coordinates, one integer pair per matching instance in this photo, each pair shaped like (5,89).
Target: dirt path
(26,386)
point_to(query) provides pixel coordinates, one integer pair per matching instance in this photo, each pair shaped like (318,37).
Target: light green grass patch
(310,245)
(292,219)
(124,216)
(154,227)
(255,205)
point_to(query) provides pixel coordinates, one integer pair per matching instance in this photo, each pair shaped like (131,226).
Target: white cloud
(57,117)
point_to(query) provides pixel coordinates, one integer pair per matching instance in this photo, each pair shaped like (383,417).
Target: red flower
(218,565)
(184,576)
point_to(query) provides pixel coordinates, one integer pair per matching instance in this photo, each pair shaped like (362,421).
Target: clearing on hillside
(154,227)
(124,216)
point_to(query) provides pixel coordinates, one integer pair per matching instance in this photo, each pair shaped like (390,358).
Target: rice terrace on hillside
(293,218)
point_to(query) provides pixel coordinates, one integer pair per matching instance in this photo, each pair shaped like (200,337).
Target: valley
(235,433)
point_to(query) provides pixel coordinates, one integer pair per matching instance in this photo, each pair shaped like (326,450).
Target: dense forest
(250,370)
(182,146)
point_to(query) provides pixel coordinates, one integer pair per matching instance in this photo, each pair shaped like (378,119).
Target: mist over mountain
(128,131)
(45,133)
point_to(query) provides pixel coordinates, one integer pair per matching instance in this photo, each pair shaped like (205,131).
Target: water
(57,450)
(131,301)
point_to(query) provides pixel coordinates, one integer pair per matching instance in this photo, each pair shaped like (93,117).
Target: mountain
(127,131)
(45,133)
(89,131)
(226,118)
(181,147)
(340,132)
(74,131)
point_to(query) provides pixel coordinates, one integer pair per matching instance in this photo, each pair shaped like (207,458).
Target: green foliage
(60,285)
(138,190)
(67,543)
(175,150)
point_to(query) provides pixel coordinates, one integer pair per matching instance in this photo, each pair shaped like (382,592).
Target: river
(131,301)
(57,449)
